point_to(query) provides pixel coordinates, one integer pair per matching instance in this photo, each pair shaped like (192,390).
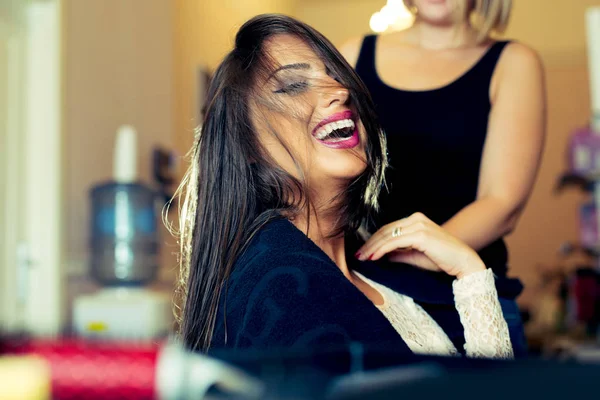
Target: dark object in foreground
(378,373)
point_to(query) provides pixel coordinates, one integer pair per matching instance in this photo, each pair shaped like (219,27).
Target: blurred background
(73,73)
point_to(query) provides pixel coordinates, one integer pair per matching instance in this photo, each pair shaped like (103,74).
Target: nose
(335,94)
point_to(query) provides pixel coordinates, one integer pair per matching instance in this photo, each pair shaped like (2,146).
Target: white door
(31,277)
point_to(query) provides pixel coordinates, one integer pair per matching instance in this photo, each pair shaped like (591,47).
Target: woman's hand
(418,241)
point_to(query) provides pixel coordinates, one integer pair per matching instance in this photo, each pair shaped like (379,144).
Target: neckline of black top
(448,85)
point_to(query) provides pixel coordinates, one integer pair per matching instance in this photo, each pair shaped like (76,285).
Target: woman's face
(303,108)
(436,12)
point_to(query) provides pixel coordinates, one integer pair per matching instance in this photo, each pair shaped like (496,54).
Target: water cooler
(124,255)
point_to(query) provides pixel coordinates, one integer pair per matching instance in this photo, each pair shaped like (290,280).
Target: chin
(439,20)
(436,13)
(350,173)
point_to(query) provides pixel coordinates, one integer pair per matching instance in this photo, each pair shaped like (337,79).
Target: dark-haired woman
(289,162)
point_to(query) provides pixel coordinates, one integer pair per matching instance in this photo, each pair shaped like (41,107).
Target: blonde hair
(486,17)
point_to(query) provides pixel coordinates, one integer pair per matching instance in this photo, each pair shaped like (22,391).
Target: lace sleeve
(486,331)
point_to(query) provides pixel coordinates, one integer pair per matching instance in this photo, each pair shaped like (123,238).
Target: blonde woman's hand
(418,241)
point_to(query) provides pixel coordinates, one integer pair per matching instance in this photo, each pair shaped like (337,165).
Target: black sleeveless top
(435,143)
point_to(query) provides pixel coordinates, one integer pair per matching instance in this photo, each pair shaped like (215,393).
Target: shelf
(584,182)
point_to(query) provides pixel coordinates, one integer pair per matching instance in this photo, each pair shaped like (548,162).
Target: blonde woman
(464,119)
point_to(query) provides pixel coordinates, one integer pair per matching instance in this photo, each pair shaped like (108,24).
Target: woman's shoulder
(519,72)
(279,248)
(520,51)
(283,292)
(520,58)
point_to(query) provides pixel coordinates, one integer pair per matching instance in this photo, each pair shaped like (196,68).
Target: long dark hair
(233,187)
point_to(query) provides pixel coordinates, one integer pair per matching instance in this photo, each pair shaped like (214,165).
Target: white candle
(593,40)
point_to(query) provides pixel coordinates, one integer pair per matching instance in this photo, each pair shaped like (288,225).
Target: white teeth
(330,127)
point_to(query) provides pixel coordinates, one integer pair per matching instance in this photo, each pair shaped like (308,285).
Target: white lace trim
(486,331)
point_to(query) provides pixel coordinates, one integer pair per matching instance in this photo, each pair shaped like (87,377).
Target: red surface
(95,370)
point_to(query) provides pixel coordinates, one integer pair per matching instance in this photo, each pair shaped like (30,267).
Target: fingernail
(357,255)
(371,257)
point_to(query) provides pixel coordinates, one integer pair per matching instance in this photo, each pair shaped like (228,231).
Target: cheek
(288,144)
(293,132)
(283,127)
(292,128)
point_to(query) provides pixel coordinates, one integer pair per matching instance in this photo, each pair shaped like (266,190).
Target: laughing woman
(289,162)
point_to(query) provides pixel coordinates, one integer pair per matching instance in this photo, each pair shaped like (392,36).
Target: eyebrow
(302,66)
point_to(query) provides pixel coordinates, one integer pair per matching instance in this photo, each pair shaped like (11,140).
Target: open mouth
(336,131)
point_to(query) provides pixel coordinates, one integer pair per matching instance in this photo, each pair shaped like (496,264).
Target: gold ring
(397,232)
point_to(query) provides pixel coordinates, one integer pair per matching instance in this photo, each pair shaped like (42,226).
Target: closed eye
(293,88)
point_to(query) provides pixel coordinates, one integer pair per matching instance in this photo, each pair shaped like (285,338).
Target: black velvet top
(285,292)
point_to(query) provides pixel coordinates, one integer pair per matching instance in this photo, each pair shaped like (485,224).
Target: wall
(119,70)
(338,20)
(550,26)
(557,31)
